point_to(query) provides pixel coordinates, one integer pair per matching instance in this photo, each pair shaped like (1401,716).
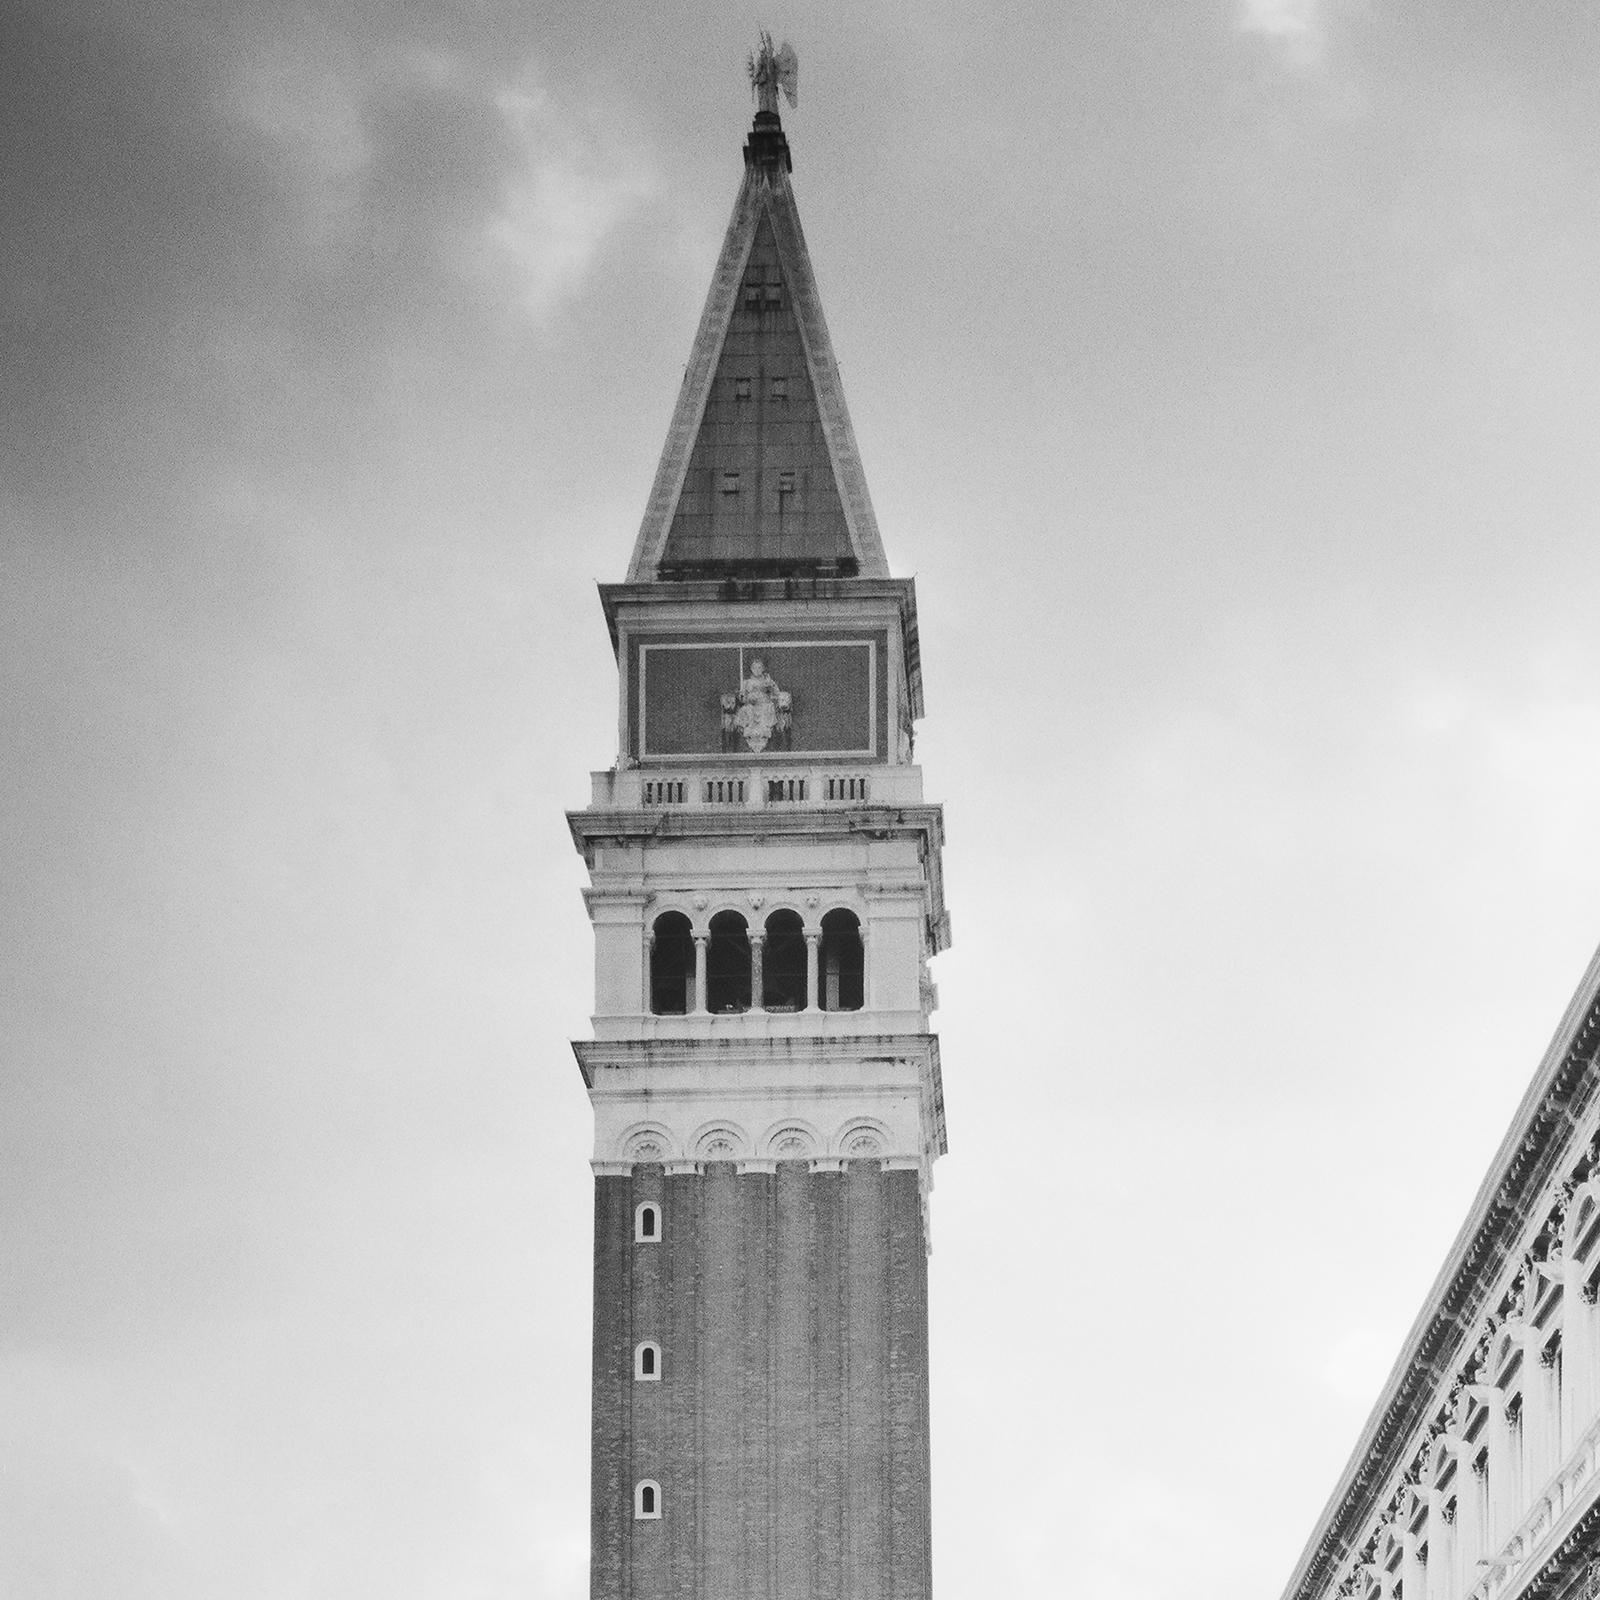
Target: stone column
(1581,1350)
(701,940)
(1499,1517)
(758,944)
(649,953)
(813,947)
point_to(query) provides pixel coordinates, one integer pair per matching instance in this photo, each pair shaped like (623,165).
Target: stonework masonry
(788,1431)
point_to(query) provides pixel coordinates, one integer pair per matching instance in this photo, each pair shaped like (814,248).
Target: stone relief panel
(793,1141)
(649,1142)
(722,1141)
(862,1138)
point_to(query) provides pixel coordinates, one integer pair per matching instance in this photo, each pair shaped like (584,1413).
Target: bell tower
(765,893)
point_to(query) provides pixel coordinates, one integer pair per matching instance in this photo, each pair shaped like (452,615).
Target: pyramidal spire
(760,474)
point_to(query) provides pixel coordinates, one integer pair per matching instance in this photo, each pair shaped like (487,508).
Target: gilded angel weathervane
(771,69)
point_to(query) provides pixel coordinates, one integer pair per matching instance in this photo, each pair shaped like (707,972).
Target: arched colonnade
(778,965)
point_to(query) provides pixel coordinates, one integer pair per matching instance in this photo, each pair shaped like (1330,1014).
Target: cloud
(571,190)
(313,118)
(1358,1361)
(308,110)
(1294,26)
(1514,744)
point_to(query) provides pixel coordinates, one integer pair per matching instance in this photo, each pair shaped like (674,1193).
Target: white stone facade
(1478,1475)
(702,836)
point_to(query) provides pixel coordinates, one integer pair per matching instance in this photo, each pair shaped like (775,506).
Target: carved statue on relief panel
(760,713)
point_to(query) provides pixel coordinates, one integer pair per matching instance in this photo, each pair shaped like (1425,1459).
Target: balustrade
(759,787)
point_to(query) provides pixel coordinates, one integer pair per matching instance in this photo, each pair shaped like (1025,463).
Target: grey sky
(1227,373)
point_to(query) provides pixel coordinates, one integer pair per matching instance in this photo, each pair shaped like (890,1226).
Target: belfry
(765,893)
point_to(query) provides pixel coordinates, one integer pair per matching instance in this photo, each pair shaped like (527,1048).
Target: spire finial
(773,68)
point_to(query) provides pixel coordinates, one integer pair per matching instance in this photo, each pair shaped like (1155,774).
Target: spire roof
(760,474)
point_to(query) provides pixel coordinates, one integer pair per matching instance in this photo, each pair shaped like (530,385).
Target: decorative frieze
(857,1139)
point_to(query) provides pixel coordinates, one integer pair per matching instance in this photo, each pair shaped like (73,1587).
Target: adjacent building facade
(765,894)
(1477,1476)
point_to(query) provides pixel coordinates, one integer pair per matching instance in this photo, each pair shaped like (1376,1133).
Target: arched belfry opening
(728,964)
(844,965)
(783,974)
(672,965)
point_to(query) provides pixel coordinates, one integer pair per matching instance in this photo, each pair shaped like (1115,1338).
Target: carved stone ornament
(1478,1361)
(1519,1295)
(760,713)
(719,1144)
(647,1145)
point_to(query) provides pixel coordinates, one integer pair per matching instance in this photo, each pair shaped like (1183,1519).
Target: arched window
(843,962)
(672,965)
(728,964)
(647,1223)
(783,967)
(646,1501)
(647,1362)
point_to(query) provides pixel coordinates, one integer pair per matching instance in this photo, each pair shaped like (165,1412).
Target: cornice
(901,593)
(1529,1158)
(922,821)
(747,1053)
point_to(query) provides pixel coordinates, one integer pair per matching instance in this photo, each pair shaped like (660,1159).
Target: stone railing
(755,787)
(1572,1488)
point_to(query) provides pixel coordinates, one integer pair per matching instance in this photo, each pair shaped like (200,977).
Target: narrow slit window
(646,1501)
(647,1223)
(647,1362)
